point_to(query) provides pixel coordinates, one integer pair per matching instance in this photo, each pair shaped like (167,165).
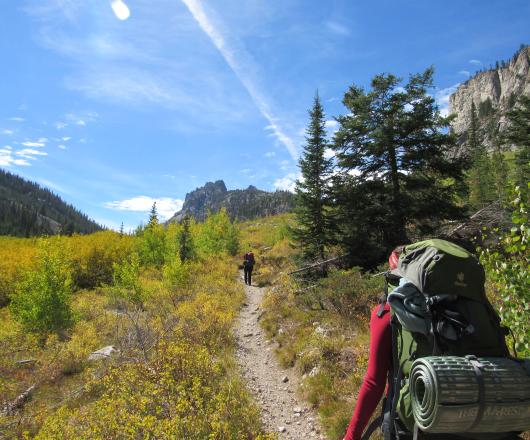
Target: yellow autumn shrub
(183,393)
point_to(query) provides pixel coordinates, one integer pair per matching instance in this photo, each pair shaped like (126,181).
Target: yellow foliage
(175,376)
(183,393)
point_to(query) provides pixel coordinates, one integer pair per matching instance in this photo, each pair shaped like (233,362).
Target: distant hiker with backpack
(248,266)
(440,345)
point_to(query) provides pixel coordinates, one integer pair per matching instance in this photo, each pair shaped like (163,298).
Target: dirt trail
(273,387)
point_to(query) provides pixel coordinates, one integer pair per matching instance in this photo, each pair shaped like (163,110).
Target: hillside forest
(111,335)
(27,209)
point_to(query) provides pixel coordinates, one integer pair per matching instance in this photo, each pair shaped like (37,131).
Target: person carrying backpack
(441,345)
(379,362)
(248,266)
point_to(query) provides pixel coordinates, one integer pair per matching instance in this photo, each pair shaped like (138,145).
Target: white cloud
(165,206)
(442,98)
(285,165)
(62,147)
(60,125)
(121,10)
(30,153)
(475,62)
(331,127)
(7,159)
(243,66)
(329,153)
(465,73)
(16,119)
(7,131)
(34,144)
(337,28)
(246,170)
(287,183)
(81,119)
(66,138)
(331,124)
(270,154)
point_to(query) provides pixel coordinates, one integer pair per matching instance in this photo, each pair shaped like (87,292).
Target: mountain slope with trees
(27,209)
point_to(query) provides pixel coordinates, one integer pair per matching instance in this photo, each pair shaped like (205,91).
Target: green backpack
(450,315)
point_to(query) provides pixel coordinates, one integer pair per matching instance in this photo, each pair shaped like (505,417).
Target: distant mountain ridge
(27,209)
(240,204)
(494,92)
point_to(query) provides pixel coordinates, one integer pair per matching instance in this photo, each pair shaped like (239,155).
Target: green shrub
(96,272)
(42,299)
(176,274)
(126,280)
(217,235)
(508,269)
(152,245)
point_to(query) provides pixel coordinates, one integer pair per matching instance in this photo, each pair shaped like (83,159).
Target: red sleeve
(376,377)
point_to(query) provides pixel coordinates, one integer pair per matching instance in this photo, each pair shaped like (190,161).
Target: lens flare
(121,10)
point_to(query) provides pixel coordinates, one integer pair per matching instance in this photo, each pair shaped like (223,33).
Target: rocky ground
(273,387)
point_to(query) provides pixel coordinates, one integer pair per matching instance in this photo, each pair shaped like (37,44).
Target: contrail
(240,61)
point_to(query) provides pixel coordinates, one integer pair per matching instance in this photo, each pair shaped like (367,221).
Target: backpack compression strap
(478,366)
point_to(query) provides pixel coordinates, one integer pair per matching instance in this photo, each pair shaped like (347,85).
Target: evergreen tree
(518,134)
(500,174)
(153,216)
(480,176)
(397,165)
(121,229)
(186,248)
(152,248)
(312,203)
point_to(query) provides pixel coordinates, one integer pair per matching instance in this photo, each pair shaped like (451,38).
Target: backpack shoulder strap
(383,301)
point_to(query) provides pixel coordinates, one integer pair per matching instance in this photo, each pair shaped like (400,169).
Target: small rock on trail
(273,388)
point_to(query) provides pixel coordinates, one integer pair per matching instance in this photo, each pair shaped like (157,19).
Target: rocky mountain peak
(241,204)
(494,92)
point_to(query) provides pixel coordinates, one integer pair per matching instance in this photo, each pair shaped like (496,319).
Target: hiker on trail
(248,265)
(379,363)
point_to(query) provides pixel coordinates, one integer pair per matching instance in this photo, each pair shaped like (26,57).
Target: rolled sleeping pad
(452,394)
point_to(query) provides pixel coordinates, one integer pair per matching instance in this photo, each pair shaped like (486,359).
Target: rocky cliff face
(240,204)
(494,92)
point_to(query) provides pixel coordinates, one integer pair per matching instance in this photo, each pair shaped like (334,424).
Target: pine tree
(518,135)
(186,248)
(152,247)
(121,229)
(480,176)
(500,174)
(396,163)
(153,216)
(312,206)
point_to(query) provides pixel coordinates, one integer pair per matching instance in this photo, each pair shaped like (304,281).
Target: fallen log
(11,407)
(318,264)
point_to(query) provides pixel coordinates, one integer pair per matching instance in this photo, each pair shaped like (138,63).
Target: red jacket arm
(376,376)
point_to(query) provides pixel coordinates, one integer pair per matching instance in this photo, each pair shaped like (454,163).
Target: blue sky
(114,104)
